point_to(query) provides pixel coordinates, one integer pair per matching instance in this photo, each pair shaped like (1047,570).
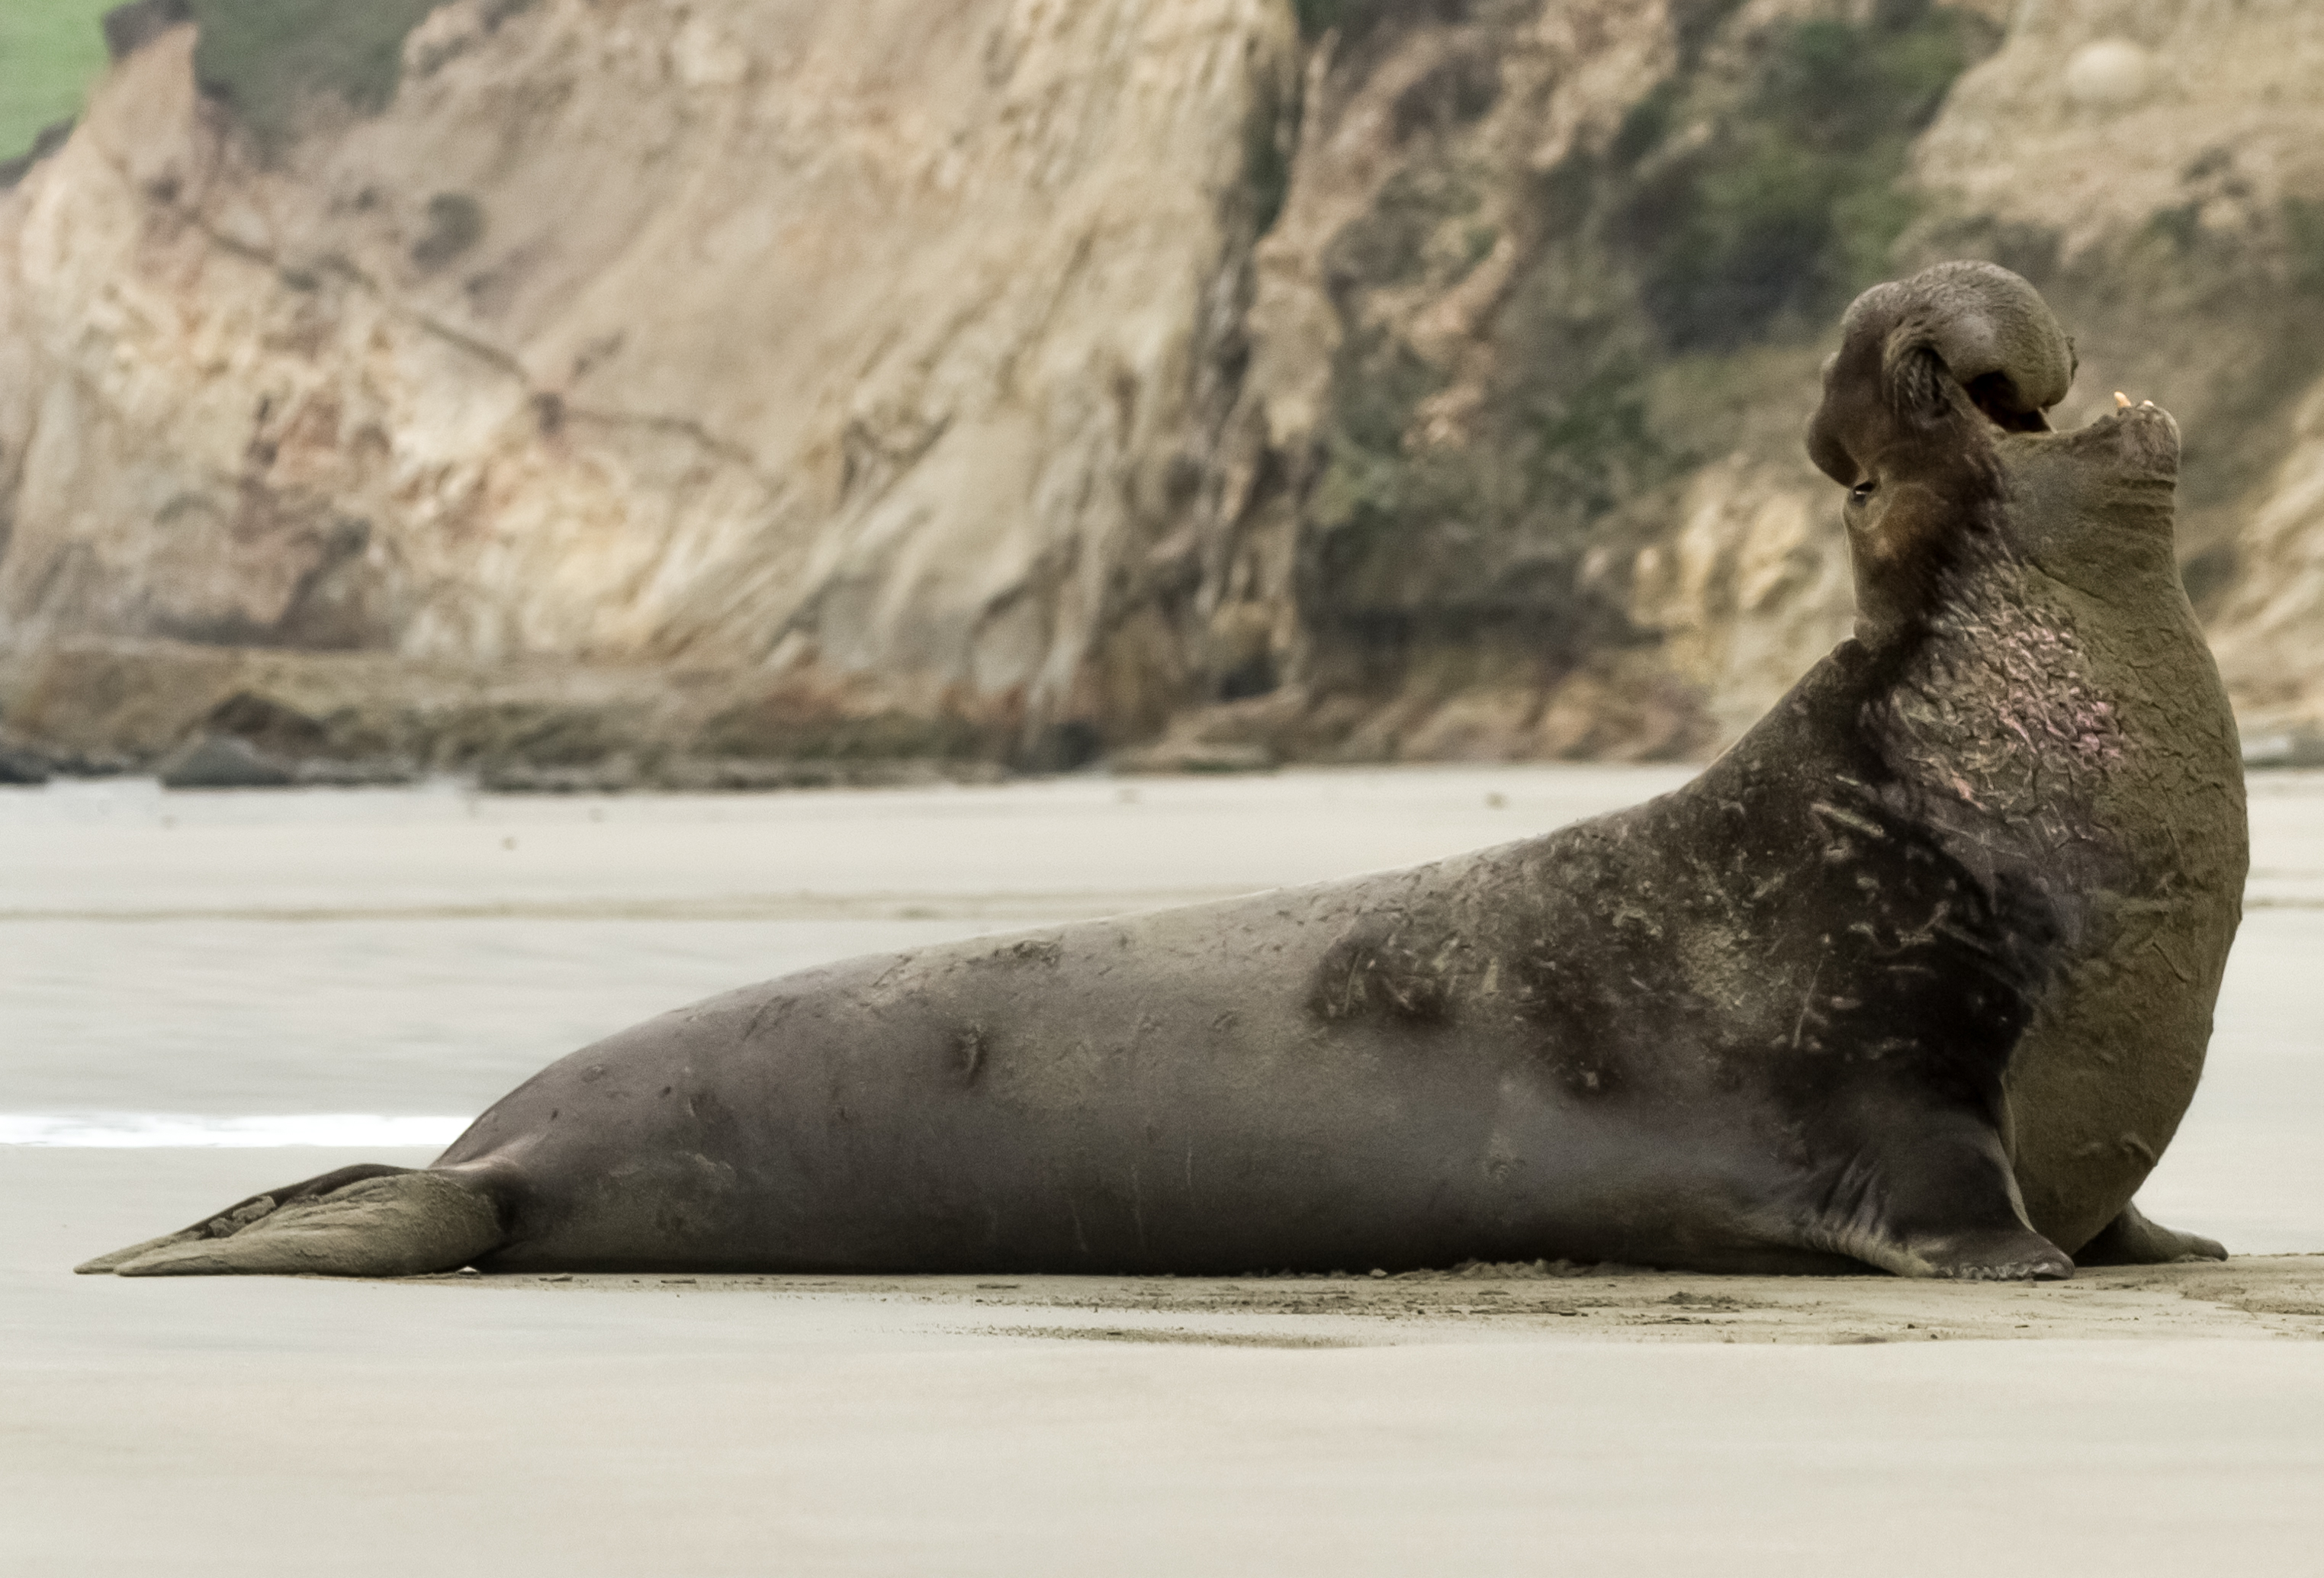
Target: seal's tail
(367,1220)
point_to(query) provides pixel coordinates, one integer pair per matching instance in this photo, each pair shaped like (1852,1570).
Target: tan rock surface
(852,341)
(1055,376)
(2088,118)
(2270,637)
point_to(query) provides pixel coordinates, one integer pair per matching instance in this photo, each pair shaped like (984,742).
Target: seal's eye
(1861,493)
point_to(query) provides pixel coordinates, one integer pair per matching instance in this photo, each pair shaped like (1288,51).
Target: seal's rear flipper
(2131,1240)
(359,1221)
(242,1214)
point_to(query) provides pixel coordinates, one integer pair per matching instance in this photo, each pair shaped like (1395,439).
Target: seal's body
(1969,887)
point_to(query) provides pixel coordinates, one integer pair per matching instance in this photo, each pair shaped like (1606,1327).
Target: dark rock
(96,763)
(1063,747)
(21,766)
(268,725)
(249,728)
(223,762)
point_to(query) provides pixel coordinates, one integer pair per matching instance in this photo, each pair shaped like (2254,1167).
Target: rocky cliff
(715,392)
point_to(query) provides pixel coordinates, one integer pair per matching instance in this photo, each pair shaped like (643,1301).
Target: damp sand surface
(298,956)
(2156,1421)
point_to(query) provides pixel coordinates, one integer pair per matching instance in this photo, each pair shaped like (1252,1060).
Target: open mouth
(1993,395)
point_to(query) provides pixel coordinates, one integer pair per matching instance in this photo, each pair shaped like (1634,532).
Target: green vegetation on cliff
(266,58)
(1744,199)
(1784,200)
(1317,17)
(50,51)
(2303,230)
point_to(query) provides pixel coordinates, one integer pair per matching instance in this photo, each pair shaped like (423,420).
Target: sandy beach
(238,971)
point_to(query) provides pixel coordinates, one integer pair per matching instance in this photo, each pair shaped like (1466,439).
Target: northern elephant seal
(1936,942)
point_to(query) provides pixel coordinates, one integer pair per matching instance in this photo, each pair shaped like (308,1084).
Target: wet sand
(2129,1421)
(1639,1422)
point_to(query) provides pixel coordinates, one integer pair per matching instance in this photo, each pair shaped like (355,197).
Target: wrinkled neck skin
(1982,606)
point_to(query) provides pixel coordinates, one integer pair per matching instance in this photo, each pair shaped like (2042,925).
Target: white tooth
(2121,400)
(2146,405)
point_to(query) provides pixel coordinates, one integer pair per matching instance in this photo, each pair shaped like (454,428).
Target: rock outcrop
(868,349)
(704,391)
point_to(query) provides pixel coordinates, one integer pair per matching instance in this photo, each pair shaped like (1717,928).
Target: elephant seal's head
(1933,418)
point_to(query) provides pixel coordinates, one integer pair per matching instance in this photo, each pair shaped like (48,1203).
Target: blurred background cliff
(741,393)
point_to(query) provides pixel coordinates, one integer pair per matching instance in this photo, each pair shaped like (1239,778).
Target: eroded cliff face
(1535,338)
(864,349)
(1205,382)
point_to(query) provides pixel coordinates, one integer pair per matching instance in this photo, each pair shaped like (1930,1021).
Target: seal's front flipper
(2012,1254)
(1944,1203)
(2131,1240)
(383,1222)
